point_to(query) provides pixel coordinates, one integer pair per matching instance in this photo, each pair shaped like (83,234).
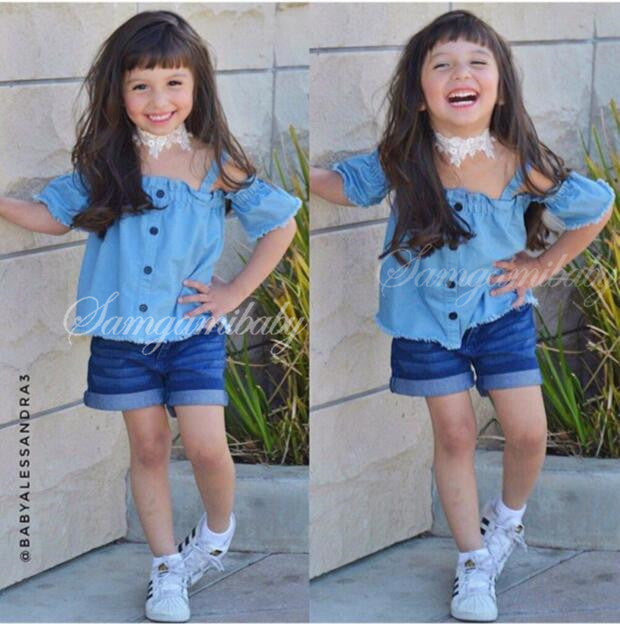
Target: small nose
(159,97)
(461,70)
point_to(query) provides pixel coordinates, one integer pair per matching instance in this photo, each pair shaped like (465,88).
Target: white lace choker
(458,149)
(156,143)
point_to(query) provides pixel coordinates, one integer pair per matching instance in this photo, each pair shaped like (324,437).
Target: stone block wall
(78,456)
(371,451)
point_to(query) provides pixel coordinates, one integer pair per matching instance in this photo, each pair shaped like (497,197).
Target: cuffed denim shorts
(183,372)
(502,352)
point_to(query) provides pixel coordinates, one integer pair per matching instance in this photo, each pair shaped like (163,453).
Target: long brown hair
(105,155)
(425,219)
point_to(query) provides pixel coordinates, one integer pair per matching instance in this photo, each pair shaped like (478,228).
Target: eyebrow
(177,75)
(476,51)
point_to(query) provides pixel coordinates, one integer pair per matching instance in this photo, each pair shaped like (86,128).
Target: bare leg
(521,413)
(204,437)
(454,428)
(150,443)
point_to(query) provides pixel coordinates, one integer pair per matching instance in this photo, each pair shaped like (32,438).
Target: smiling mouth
(160,118)
(462,98)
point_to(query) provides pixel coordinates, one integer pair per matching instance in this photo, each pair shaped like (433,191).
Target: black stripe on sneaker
(194,532)
(455,593)
(180,547)
(485,521)
(482,531)
(187,540)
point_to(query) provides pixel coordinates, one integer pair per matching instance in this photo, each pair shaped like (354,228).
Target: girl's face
(158,100)
(460,83)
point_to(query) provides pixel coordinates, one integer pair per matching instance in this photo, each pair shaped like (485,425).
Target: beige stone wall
(371,451)
(79,457)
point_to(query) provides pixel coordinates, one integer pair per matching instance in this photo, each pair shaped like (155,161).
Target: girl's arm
(267,253)
(570,244)
(328,185)
(33,216)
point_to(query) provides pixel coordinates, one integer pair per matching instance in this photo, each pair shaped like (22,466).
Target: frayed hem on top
(442,342)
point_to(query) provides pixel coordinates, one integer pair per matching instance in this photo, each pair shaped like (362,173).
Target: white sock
(169,560)
(472,554)
(507,516)
(213,538)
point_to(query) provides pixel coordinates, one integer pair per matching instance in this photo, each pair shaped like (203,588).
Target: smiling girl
(155,168)
(468,181)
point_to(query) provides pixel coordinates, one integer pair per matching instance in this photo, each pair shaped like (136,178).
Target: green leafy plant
(273,426)
(584,418)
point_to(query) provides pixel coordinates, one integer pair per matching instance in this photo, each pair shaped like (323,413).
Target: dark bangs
(160,45)
(461,25)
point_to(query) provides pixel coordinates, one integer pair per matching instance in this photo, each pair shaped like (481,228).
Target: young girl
(468,180)
(154,167)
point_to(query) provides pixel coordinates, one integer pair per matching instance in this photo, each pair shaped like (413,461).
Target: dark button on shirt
(458,206)
(453,246)
(452,315)
(148,269)
(143,307)
(160,193)
(451,284)
(154,230)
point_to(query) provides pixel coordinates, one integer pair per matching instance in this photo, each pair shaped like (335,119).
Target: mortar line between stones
(348,398)
(51,410)
(591,115)
(542,571)
(273,103)
(39,250)
(516,43)
(232,572)
(346,226)
(78,79)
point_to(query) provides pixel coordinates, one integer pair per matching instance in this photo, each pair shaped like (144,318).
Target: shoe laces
(507,537)
(477,576)
(166,579)
(208,555)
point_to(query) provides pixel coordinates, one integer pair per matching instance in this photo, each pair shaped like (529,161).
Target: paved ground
(109,585)
(411,582)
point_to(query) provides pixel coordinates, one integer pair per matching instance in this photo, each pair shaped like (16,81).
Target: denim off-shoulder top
(131,280)
(439,297)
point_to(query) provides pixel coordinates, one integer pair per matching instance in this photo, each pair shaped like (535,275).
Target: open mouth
(462,98)
(160,118)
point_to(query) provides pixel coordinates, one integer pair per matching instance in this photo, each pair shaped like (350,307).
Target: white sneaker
(167,599)
(500,539)
(199,556)
(473,595)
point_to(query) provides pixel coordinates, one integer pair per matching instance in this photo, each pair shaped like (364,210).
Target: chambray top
(130,281)
(439,297)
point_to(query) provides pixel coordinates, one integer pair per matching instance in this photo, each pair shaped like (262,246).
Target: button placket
(151,243)
(452,316)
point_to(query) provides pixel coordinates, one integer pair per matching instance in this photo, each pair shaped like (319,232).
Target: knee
(458,438)
(152,451)
(208,456)
(528,440)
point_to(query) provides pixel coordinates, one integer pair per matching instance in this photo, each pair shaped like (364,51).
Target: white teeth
(461,93)
(160,117)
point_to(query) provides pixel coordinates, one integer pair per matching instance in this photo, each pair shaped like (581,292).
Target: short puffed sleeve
(579,201)
(364,183)
(64,196)
(262,207)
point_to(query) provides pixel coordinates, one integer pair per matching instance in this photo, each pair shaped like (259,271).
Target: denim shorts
(503,354)
(183,372)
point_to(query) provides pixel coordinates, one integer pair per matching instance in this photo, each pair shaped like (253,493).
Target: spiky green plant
(273,427)
(589,414)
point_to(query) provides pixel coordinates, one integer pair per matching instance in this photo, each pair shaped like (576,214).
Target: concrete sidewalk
(412,581)
(108,584)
